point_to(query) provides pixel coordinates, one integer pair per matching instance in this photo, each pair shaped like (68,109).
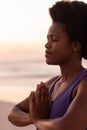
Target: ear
(76,46)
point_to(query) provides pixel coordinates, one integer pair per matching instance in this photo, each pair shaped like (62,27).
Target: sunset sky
(24,21)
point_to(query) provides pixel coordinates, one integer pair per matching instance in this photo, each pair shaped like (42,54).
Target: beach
(4,123)
(16,85)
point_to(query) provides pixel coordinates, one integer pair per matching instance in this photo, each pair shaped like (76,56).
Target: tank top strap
(80,76)
(52,85)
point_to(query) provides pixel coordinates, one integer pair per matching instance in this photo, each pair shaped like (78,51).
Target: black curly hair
(74,16)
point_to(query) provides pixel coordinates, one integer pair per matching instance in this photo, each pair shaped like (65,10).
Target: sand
(4,123)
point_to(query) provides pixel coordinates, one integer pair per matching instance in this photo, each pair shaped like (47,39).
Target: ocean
(20,74)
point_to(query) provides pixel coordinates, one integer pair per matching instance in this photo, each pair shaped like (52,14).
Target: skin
(74,119)
(60,50)
(19,115)
(41,97)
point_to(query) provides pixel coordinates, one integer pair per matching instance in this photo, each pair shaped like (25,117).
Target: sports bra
(61,103)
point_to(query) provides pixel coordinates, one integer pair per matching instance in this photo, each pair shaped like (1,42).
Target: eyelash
(53,40)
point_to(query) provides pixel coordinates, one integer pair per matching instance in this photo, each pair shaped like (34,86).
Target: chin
(53,63)
(50,63)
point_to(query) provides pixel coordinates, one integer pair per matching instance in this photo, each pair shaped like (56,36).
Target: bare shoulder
(78,107)
(83,85)
(48,82)
(81,89)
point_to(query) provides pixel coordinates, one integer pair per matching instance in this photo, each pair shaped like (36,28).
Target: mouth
(48,53)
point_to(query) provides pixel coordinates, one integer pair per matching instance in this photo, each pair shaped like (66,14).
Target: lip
(48,53)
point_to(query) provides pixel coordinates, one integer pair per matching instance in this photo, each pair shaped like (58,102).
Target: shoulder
(78,107)
(51,80)
(83,85)
(80,88)
(81,96)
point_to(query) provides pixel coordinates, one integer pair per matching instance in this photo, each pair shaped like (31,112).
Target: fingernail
(42,83)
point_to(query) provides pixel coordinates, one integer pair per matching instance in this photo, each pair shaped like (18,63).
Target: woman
(60,103)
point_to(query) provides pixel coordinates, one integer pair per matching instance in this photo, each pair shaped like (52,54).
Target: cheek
(62,53)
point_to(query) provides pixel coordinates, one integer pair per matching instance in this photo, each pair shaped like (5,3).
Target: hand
(39,103)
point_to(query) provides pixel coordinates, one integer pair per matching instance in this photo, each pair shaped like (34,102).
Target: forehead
(56,29)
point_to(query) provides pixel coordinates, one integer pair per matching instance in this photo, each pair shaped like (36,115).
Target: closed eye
(54,40)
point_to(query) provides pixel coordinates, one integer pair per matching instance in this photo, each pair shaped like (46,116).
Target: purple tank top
(60,105)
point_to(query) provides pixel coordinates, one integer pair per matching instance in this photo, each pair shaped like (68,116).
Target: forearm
(45,125)
(58,124)
(18,117)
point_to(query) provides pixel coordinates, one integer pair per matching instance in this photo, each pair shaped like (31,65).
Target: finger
(38,87)
(38,93)
(31,101)
(42,83)
(41,92)
(45,96)
(32,97)
(44,93)
(45,88)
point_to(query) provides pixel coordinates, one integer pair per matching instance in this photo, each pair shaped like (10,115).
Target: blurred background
(23,29)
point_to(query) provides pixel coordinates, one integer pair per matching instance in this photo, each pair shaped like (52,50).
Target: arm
(19,114)
(74,119)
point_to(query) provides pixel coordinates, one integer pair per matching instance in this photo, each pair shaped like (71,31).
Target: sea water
(20,74)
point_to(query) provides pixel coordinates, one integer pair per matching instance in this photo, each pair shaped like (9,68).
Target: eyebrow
(51,35)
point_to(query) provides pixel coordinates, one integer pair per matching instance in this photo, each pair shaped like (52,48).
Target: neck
(70,70)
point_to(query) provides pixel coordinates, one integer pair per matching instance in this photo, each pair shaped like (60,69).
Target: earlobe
(74,50)
(76,46)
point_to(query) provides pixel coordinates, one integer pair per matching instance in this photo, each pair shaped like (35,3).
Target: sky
(24,21)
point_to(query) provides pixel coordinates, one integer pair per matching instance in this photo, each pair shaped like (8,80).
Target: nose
(48,45)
